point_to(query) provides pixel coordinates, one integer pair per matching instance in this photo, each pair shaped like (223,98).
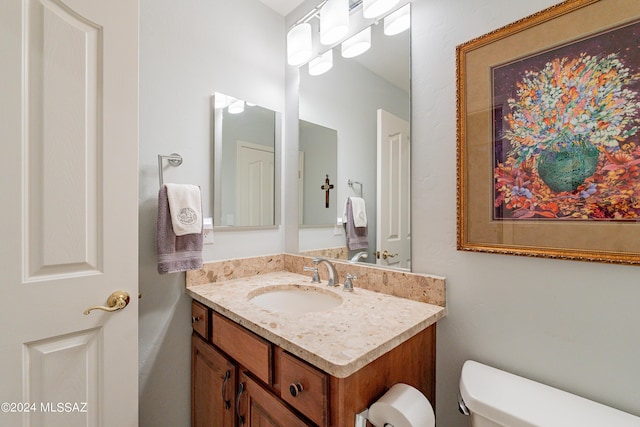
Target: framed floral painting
(549,135)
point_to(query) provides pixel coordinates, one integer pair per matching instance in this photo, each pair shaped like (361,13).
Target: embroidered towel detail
(175,253)
(359,211)
(185,206)
(356,236)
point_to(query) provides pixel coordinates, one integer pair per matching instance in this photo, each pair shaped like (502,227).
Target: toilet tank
(495,398)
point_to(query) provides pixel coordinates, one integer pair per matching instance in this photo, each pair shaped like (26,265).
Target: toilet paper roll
(402,406)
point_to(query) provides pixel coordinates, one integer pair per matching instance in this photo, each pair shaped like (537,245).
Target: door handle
(386,255)
(116,301)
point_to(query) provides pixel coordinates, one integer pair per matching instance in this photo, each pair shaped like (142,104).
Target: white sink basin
(294,298)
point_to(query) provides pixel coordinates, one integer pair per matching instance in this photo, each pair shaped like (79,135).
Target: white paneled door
(393,231)
(68,223)
(254,184)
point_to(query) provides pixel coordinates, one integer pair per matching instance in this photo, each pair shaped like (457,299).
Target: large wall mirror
(244,137)
(365,102)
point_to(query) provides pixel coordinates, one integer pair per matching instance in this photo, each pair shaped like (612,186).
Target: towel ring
(174,159)
(351,182)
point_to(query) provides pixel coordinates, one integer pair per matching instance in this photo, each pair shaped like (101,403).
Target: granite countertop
(339,341)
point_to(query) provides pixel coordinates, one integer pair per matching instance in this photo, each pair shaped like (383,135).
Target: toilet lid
(510,400)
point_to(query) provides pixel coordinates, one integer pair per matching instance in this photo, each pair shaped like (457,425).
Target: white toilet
(494,398)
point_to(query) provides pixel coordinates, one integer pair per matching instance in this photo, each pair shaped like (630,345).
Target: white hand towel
(359,212)
(185,206)
(356,236)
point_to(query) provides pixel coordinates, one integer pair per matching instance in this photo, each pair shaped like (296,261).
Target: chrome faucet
(360,255)
(333,274)
(316,278)
(348,284)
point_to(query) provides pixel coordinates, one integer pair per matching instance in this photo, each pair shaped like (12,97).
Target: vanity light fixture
(357,44)
(375,8)
(398,21)
(236,106)
(334,21)
(299,44)
(321,64)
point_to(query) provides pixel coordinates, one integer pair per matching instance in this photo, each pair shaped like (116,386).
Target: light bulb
(236,106)
(398,21)
(334,21)
(357,44)
(220,100)
(321,64)
(299,44)
(375,8)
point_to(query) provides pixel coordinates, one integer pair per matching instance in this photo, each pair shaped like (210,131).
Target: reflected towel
(175,253)
(359,211)
(356,236)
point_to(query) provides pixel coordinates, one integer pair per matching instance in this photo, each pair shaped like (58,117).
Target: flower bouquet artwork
(566,129)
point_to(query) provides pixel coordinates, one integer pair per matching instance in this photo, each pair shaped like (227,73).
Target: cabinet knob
(195,319)
(295,389)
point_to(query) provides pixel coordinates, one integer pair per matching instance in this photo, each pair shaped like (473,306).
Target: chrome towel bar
(174,159)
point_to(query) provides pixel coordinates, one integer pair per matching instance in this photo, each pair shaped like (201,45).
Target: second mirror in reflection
(244,163)
(317,171)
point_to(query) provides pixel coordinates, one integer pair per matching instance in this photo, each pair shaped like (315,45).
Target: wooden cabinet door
(213,380)
(259,408)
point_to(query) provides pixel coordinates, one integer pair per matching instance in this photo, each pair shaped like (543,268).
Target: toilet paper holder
(361,419)
(401,405)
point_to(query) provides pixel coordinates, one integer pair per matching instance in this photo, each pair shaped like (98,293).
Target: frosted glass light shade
(321,64)
(236,107)
(334,21)
(398,21)
(357,44)
(299,44)
(375,8)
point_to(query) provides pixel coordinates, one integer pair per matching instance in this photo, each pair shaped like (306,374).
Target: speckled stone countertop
(339,341)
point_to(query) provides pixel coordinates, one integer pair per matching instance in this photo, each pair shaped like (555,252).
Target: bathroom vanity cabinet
(242,379)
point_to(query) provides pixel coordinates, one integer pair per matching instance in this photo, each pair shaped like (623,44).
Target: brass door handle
(386,255)
(117,301)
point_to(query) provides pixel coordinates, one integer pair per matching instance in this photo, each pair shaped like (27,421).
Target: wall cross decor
(326,187)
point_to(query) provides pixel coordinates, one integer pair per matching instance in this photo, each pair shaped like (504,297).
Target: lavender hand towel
(356,236)
(175,253)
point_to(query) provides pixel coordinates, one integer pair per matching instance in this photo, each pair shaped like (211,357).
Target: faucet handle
(316,277)
(348,285)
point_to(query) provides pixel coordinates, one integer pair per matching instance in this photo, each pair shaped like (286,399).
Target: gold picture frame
(548,135)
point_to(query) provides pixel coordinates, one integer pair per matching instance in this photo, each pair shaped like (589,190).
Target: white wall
(572,325)
(188,50)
